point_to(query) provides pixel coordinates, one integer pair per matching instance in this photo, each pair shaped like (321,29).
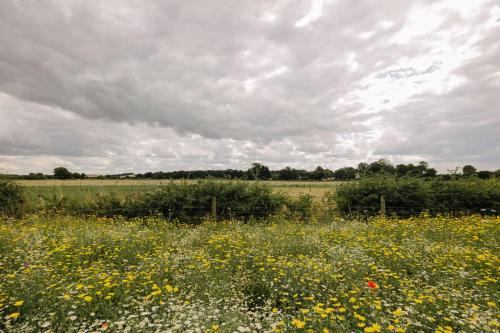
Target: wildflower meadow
(86,274)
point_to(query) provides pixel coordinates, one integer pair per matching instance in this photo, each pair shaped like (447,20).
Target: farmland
(423,274)
(85,189)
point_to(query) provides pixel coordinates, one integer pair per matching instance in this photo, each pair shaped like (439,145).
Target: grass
(423,274)
(38,191)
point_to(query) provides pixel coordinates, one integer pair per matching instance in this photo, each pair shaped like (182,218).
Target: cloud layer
(159,85)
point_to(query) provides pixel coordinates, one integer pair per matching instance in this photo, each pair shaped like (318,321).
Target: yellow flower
(66,296)
(215,327)
(19,303)
(398,312)
(171,289)
(87,298)
(359,317)
(14,315)
(373,329)
(298,323)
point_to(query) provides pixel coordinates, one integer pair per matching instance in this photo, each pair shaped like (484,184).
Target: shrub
(301,208)
(11,199)
(406,194)
(466,194)
(190,202)
(409,196)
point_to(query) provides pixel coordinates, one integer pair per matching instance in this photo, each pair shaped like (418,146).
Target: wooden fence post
(214,208)
(382,206)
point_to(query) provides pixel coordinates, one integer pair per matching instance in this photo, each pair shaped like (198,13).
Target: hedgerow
(410,196)
(11,199)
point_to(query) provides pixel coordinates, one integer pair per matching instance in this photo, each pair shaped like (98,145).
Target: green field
(66,274)
(88,188)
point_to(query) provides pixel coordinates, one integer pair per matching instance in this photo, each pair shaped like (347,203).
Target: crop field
(423,274)
(88,188)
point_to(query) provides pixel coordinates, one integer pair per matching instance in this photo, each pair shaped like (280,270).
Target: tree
(431,172)
(421,168)
(484,174)
(288,174)
(348,173)
(265,173)
(318,174)
(62,173)
(469,171)
(381,167)
(363,168)
(251,175)
(402,170)
(259,171)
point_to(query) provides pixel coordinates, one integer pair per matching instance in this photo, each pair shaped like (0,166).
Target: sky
(133,86)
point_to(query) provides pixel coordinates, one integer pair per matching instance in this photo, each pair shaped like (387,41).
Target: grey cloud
(139,77)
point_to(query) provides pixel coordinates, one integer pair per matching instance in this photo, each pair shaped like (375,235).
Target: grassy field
(64,274)
(82,189)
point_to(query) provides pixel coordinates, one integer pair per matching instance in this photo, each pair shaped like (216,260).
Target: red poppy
(372,284)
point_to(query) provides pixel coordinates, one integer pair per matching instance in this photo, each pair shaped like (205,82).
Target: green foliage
(301,207)
(11,199)
(259,171)
(485,174)
(470,194)
(411,195)
(62,173)
(347,173)
(187,202)
(288,174)
(192,201)
(364,196)
(469,171)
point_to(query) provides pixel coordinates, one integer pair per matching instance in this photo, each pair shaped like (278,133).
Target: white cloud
(312,15)
(169,85)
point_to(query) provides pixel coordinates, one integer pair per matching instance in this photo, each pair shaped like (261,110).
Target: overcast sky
(118,86)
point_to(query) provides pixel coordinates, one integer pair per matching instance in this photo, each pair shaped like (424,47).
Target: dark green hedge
(11,199)
(192,202)
(240,200)
(413,195)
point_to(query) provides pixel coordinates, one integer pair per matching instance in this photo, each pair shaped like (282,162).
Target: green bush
(466,194)
(190,202)
(186,202)
(11,199)
(301,208)
(410,196)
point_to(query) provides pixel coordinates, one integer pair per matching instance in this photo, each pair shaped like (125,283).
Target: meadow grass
(85,187)
(82,195)
(66,274)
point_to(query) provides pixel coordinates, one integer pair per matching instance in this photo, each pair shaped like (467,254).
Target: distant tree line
(259,171)
(59,173)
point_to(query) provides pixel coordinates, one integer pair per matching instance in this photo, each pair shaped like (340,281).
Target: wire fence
(197,213)
(407,211)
